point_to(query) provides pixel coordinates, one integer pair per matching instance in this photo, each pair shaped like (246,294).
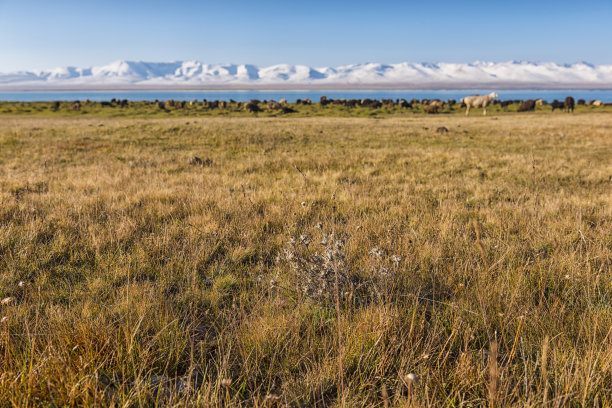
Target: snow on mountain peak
(196,73)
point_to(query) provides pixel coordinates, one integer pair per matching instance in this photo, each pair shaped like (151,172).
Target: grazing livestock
(539,102)
(283,101)
(252,106)
(597,103)
(286,109)
(438,103)
(556,105)
(76,105)
(55,106)
(388,103)
(105,103)
(478,101)
(581,102)
(526,106)
(432,108)
(405,104)
(371,103)
(568,104)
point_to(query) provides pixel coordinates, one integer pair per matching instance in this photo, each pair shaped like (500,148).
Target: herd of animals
(430,106)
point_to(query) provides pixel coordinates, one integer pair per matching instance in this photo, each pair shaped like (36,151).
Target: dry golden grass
(146,280)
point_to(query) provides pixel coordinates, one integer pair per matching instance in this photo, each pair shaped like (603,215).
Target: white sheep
(478,101)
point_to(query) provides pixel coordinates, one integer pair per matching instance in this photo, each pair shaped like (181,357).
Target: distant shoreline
(315,87)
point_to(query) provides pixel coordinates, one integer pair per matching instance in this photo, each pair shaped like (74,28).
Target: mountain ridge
(175,74)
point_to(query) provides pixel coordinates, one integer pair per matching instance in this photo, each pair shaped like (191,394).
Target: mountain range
(195,74)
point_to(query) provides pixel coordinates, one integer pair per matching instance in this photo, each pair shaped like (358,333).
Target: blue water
(291,96)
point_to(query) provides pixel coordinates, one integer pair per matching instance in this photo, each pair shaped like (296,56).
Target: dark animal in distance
(557,105)
(526,106)
(285,110)
(568,104)
(405,104)
(252,106)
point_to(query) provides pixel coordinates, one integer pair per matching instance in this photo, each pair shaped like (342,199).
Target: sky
(47,34)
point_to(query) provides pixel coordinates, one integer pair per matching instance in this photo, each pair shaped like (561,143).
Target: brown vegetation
(474,266)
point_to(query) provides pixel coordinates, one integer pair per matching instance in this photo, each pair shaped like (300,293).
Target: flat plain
(473,258)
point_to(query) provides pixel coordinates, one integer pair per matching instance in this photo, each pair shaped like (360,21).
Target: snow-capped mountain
(187,74)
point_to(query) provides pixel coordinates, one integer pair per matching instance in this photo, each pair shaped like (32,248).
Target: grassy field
(460,268)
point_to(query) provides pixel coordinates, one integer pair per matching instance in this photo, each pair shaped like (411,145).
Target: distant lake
(291,95)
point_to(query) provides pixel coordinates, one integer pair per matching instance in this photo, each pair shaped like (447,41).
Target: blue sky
(45,34)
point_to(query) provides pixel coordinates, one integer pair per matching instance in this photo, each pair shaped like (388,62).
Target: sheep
(433,108)
(478,101)
(438,103)
(272,105)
